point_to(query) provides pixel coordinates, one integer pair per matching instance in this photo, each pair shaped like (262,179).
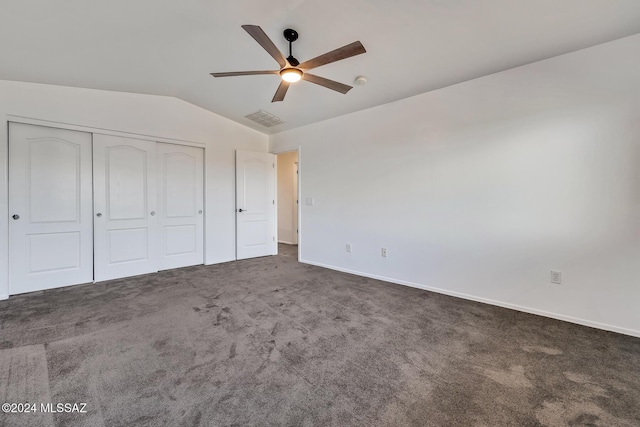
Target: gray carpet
(270,341)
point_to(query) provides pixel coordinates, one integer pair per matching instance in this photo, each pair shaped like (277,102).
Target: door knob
(153,213)
(241,210)
(16,216)
(200,211)
(98,214)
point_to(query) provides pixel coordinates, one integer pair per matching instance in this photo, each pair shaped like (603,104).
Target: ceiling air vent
(265,119)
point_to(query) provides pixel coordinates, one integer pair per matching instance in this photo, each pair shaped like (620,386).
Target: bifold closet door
(180,205)
(125,221)
(50,218)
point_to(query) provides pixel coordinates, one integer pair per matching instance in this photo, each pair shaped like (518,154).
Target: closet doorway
(288,198)
(90,207)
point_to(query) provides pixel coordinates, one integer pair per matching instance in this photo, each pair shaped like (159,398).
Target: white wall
(480,189)
(155,116)
(287,208)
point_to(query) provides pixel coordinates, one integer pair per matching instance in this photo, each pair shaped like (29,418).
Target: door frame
(4,180)
(299,205)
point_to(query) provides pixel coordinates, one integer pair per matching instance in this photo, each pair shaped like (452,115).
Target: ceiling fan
(291,70)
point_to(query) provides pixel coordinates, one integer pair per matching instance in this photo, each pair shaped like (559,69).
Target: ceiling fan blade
(281,92)
(266,43)
(343,52)
(243,73)
(331,84)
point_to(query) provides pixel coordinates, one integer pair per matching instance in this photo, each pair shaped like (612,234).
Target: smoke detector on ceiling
(360,81)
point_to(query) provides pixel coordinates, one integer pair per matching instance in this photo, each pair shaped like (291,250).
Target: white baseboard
(530,310)
(286,242)
(4,296)
(219,261)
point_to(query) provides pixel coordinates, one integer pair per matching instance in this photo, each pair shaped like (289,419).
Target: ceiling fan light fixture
(291,75)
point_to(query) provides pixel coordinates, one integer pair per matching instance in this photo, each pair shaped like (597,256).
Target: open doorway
(287,179)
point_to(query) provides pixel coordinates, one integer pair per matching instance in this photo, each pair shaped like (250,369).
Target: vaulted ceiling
(413,46)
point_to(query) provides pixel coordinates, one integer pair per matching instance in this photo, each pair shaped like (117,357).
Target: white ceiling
(167,47)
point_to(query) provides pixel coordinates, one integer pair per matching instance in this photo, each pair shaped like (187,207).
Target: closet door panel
(50,228)
(125,207)
(181,204)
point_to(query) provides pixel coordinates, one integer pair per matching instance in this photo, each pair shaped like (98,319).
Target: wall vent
(265,119)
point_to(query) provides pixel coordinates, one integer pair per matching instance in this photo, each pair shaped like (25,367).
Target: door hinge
(274,238)
(273,165)
(273,202)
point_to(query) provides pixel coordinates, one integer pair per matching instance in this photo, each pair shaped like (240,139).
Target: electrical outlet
(384,252)
(348,247)
(308,201)
(556,277)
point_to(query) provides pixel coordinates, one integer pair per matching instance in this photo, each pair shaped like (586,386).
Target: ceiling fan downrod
(291,36)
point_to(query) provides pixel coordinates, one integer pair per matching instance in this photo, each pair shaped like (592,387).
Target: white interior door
(50,229)
(180,205)
(255,204)
(125,221)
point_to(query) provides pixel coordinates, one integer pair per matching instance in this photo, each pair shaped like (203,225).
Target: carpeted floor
(271,342)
